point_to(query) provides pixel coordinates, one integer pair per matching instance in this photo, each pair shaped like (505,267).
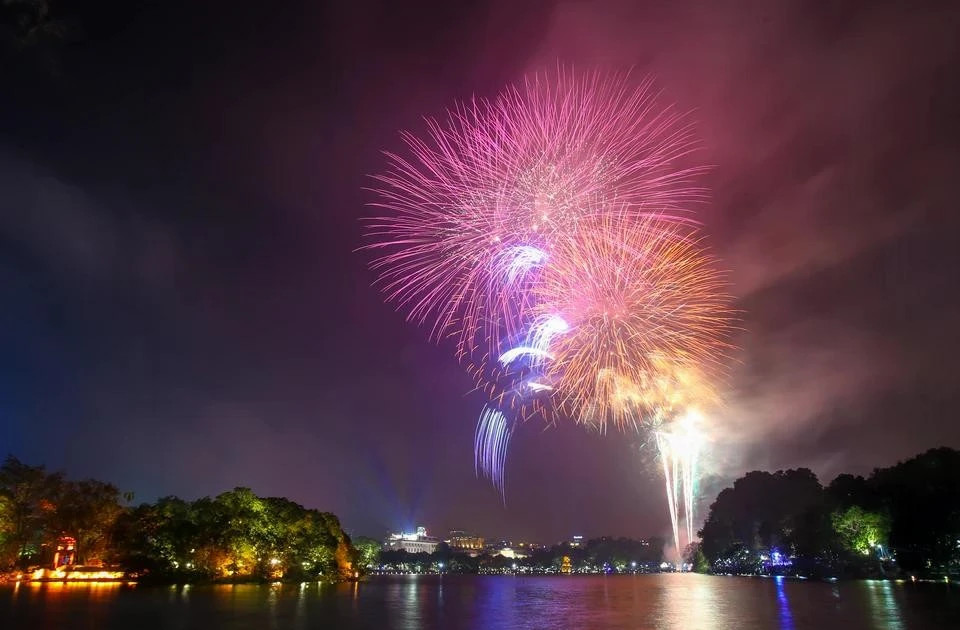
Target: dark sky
(183,312)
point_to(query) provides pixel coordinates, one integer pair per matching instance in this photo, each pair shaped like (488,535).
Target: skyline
(184,308)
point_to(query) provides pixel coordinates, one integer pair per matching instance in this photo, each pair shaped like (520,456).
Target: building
(493,547)
(418,542)
(463,542)
(511,553)
(66,554)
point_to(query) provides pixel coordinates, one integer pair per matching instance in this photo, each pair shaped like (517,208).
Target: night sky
(183,310)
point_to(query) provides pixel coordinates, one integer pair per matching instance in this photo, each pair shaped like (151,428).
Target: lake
(685,601)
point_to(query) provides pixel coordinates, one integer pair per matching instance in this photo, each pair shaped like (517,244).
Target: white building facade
(418,542)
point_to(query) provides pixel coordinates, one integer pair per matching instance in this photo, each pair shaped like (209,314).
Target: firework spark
(472,213)
(646,308)
(679,445)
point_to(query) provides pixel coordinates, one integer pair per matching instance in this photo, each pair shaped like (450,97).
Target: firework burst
(647,316)
(548,232)
(471,214)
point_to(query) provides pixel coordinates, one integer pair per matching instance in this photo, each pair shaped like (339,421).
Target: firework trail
(679,445)
(490,447)
(470,216)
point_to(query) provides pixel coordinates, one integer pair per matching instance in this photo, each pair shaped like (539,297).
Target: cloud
(50,224)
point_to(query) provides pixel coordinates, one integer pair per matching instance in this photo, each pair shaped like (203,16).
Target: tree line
(235,535)
(904,519)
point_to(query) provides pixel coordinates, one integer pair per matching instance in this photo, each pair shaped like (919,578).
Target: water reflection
(301,611)
(883,605)
(783,604)
(494,602)
(473,603)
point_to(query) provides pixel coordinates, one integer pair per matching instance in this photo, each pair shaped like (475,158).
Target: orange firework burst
(647,317)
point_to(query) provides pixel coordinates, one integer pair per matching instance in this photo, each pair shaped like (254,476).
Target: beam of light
(679,444)
(513,354)
(490,446)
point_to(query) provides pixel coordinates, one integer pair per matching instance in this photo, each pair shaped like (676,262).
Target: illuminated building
(464,542)
(418,542)
(576,541)
(66,553)
(66,569)
(510,552)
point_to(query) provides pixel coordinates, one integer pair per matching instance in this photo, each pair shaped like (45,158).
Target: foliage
(856,525)
(233,535)
(30,496)
(922,496)
(37,507)
(859,530)
(762,511)
(693,556)
(367,551)
(88,510)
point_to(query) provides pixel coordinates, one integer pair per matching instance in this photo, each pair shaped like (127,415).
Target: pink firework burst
(470,214)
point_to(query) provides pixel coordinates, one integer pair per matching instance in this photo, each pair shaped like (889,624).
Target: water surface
(411,602)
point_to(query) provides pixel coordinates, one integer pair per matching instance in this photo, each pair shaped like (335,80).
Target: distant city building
(510,552)
(463,542)
(494,546)
(418,542)
(576,541)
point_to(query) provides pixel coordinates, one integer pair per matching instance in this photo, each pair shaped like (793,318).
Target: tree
(760,513)
(88,511)
(693,555)
(29,494)
(368,551)
(922,497)
(161,538)
(860,531)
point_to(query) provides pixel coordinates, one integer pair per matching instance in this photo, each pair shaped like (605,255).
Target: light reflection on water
(404,602)
(786,619)
(883,605)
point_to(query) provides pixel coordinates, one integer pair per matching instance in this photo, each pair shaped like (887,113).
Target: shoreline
(385,577)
